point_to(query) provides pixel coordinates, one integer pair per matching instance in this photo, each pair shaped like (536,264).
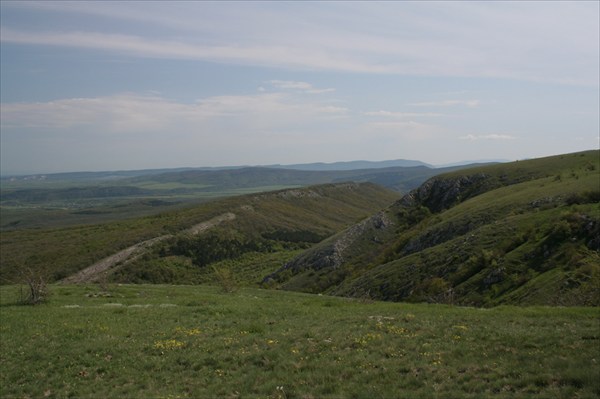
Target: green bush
(225,278)
(214,246)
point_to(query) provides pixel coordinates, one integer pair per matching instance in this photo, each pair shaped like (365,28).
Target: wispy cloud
(473,137)
(428,39)
(130,112)
(278,55)
(153,131)
(303,87)
(447,103)
(403,115)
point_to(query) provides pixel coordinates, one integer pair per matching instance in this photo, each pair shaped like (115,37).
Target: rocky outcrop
(440,193)
(437,194)
(332,253)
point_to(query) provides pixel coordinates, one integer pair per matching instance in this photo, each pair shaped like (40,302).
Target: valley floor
(165,341)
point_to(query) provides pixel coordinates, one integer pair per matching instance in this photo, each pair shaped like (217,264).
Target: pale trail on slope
(103,267)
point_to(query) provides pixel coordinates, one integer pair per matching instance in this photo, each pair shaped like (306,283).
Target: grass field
(158,341)
(64,213)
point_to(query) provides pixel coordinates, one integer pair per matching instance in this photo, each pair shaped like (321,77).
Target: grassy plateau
(161,341)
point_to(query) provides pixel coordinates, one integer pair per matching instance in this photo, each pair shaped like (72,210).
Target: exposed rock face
(435,236)
(484,252)
(332,254)
(439,194)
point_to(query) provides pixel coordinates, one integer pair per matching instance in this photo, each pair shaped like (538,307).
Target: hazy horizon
(107,86)
(235,166)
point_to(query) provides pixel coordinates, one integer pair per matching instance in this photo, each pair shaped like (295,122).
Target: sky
(96,86)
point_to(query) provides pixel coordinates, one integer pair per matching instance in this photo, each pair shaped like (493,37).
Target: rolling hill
(355,165)
(91,197)
(525,233)
(264,223)
(400,175)
(522,233)
(399,178)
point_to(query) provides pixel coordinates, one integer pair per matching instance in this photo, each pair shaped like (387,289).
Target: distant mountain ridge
(159,182)
(352,165)
(316,166)
(397,178)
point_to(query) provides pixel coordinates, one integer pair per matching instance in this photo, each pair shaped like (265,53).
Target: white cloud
(403,115)
(447,103)
(303,87)
(473,137)
(124,112)
(539,41)
(288,84)
(130,112)
(129,131)
(278,55)
(319,91)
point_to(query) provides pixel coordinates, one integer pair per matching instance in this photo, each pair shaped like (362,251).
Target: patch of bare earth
(102,268)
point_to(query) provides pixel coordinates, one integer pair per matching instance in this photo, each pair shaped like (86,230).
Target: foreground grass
(183,341)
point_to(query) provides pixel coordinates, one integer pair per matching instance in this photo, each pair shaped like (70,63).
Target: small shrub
(225,279)
(586,197)
(37,288)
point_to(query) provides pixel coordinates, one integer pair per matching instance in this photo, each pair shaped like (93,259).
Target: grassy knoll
(195,341)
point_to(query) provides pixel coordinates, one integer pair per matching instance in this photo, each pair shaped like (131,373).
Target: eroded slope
(524,232)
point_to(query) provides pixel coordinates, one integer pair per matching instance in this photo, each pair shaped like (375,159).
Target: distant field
(67,199)
(170,185)
(100,210)
(141,341)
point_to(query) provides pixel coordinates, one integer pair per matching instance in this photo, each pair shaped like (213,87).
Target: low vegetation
(140,341)
(525,233)
(264,223)
(68,199)
(519,233)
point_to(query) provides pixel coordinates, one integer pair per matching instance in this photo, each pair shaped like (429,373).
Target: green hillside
(526,232)
(262,224)
(94,197)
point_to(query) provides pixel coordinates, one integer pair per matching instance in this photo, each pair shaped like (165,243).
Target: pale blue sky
(133,85)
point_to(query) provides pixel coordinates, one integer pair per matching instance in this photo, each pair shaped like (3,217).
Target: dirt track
(105,266)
